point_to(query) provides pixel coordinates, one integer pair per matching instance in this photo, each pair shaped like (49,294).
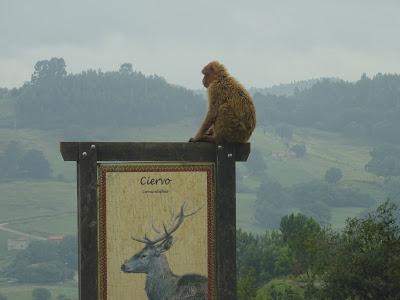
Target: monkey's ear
(210,68)
(213,66)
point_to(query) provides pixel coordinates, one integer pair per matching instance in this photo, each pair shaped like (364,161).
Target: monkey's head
(213,71)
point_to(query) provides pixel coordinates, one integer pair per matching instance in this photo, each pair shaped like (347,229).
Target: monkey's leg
(209,133)
(207,123)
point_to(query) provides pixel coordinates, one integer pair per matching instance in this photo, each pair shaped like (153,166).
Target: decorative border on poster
(103,168)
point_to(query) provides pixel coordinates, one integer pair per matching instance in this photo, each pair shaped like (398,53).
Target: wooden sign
(156,231)
(156,220)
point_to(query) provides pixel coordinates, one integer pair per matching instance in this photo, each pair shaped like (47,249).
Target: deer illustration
(161,282)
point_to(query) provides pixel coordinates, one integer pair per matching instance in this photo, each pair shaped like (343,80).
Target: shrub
(333,175)
(41,294)
(280,290)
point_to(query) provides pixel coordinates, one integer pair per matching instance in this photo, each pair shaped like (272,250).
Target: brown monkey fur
(231,116)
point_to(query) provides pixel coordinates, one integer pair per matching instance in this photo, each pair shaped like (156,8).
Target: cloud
(261,42)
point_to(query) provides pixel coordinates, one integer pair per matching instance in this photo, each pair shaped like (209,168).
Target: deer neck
(160,280)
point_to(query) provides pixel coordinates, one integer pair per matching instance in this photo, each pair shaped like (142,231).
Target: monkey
(231,115)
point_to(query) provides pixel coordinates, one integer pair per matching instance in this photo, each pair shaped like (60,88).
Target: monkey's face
(212,71)
(206,81)
(209,73)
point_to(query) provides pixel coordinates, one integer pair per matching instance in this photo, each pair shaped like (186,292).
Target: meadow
(48,206)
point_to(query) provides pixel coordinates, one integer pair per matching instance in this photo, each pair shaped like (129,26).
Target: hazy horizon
(262,43)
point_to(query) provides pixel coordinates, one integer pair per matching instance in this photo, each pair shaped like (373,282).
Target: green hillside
(324,150)
(49,206)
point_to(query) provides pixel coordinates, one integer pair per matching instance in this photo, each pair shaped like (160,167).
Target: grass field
(21,199)
(56,200)
(324,150)
(24,291)
(41,208)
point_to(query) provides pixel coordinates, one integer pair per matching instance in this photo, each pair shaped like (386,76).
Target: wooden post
(87,221)
(226,222)
(88,154)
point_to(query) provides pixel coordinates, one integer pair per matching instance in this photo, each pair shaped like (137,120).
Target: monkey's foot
(207,139)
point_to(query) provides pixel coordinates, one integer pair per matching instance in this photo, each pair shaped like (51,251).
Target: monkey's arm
(207,123)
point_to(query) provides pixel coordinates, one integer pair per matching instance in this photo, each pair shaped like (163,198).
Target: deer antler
(176,222)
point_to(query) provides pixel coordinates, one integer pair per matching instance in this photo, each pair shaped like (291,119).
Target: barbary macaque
(231,115)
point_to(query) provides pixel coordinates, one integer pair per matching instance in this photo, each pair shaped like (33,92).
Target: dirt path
(20,233)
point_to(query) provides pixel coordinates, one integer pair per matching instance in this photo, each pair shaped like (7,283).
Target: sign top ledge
(153,151)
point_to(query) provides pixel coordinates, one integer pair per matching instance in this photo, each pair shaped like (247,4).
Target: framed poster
(156,231)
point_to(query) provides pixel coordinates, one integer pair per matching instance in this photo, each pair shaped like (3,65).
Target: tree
(126,69)
(41,294)
(392,188)
(93,99)
(68,251)
(48,69)
(299,150)
(385,161)
(46,272)
(246,288)
(302,234)
(34,164)
(9,162)
(333,175)
(272,203)
(44,262)
(364,262)
(261,257)
(312,199)
(42,251)
(279,290)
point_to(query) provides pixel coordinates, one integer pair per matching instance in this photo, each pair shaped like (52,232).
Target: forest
(303,260)
(368,108)
(53,99)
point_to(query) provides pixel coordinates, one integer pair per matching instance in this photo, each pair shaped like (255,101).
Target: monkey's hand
(193,140)
(210,131)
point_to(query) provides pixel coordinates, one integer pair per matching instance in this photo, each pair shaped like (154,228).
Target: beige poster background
(132,203)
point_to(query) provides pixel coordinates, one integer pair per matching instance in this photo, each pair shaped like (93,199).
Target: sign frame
(88,154)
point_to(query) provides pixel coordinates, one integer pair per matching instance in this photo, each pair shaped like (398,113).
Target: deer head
(151,257)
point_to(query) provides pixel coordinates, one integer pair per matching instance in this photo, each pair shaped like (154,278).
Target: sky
(262,43)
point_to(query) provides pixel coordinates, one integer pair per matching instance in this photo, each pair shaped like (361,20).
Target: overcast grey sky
(261,42)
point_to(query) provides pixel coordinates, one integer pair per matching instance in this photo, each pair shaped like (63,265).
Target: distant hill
(368,108)
(3,92)
(201,92)
(287,89)
(54,99)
